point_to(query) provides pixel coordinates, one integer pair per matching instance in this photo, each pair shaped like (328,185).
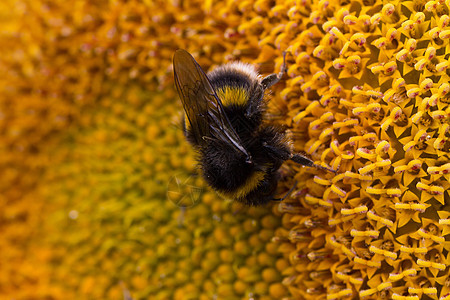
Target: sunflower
(94,163)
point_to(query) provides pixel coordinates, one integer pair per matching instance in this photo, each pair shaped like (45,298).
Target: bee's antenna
(303,160)
(287,194)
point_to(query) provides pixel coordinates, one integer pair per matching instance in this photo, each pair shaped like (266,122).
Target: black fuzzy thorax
(226,169)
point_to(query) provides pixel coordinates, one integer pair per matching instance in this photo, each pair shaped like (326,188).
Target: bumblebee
(239,154)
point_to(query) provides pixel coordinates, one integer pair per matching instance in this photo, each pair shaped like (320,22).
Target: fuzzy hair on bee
(239,152)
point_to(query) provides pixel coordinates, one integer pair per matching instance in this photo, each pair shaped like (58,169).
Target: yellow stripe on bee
(232,95)
(251,184)
(187,125)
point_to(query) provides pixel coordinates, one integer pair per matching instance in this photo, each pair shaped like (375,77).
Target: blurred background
(90,145)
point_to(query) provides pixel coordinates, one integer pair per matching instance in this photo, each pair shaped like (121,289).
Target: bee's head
(263,193)
(225,168)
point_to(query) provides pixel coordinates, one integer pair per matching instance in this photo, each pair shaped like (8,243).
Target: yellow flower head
(89,151)
(373,105)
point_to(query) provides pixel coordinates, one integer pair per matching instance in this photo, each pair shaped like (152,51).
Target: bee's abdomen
(234,82)
(230,95)
(233,79)
(234,74)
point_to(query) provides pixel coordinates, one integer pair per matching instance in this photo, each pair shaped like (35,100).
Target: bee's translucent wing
(204,109)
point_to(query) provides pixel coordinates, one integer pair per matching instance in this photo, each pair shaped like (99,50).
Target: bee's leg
(287,194)
(277,151)
(303,160)
(272,79)
(256,102)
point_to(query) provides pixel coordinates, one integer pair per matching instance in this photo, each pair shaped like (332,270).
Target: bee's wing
(203,108)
